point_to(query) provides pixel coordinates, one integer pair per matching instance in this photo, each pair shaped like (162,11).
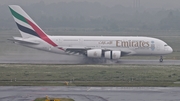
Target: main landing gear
(161,59)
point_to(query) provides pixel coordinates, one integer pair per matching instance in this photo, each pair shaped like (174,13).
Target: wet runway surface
(32,56)
(149,62)
(91,93)
(79,60)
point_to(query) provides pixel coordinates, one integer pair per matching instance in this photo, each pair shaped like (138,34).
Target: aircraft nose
(170,50)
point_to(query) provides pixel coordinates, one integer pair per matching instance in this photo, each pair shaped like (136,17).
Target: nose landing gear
(161,59)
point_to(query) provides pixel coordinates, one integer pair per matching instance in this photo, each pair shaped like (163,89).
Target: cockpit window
(165,45)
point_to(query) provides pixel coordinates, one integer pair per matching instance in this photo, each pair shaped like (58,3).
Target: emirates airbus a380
(94,47)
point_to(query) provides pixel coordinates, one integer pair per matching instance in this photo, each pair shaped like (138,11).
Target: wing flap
(76,50)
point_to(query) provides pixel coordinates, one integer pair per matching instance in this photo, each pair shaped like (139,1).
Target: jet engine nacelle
(94,53)
(114,55)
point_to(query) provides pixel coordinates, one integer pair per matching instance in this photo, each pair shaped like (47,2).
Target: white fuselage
(131,45)
(104,47)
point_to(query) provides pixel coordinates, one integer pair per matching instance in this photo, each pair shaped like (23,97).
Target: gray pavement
(63,59)
(13,53)
(149,62)
(91,93)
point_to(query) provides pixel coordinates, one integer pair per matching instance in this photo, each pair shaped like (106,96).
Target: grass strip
(89,75)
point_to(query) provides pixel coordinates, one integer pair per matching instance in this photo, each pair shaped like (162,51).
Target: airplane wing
(23,41)
(75,49)
(83,50)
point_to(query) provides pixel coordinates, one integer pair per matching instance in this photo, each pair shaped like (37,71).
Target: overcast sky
(167,4)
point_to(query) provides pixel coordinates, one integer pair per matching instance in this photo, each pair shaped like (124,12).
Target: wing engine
(99,53)
(94,53)
(112,55)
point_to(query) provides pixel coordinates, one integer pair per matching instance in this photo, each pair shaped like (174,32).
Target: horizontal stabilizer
(23,41)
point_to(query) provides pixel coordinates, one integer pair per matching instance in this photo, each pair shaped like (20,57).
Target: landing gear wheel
(161,59)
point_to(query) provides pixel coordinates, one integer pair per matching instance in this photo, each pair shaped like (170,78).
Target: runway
(32,56)
(149,62)
(78,60)
(91,93)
